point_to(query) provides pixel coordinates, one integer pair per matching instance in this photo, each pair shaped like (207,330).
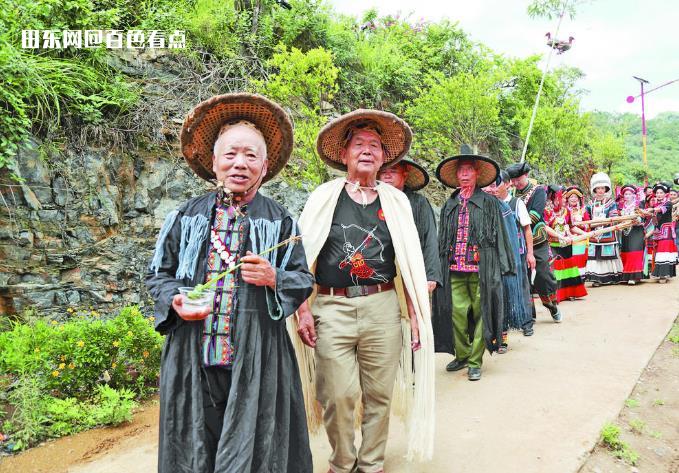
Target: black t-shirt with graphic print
(358,251)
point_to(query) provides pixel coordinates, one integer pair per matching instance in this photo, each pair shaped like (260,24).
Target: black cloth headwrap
(518,169)
(661,185)
(503,176)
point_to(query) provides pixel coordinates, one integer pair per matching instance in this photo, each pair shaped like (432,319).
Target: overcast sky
(614,40)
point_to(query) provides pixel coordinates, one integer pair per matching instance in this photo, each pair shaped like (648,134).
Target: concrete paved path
(538,408)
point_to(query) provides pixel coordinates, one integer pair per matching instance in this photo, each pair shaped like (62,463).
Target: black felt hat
(518,169)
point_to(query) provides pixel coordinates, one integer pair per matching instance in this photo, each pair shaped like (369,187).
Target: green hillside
(662,151)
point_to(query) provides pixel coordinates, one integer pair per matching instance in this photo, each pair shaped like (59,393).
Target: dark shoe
(474,374)
(528,332)
(557,317)
(456,365)
(503,349)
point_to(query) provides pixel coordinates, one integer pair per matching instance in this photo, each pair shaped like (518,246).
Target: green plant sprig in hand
(197,291)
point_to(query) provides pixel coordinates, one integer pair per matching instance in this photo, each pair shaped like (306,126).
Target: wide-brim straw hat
(203,123)
(395,134)
(487,169)
(417,178)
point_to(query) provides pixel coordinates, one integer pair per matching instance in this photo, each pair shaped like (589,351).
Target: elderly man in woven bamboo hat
(230,391)
(370,314)
(409,177)
(475,253)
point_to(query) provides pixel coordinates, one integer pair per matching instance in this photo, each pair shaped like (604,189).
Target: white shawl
(415,406)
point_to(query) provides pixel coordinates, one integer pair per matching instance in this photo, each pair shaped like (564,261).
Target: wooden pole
(601,231)
(606,221)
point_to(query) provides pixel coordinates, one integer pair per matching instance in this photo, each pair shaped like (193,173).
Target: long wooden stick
(606,221)
(601,231)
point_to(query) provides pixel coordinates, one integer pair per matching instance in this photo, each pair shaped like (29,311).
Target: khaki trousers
(357,353)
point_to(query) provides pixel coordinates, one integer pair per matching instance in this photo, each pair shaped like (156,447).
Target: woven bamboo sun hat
(417,178)
(201,128)
(395,134)
(487,169)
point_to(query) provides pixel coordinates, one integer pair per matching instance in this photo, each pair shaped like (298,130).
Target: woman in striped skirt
(569,283)
(632,241)
(576,209)
(603,263)
(665,252)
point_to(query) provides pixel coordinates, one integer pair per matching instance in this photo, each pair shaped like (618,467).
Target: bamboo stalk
(601,231)
(606,221)
(196,293)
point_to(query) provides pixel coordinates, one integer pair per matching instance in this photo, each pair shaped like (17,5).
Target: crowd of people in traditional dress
(267,337)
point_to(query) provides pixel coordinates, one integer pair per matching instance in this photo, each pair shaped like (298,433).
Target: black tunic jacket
(426,229)
(486,229)
(265,427)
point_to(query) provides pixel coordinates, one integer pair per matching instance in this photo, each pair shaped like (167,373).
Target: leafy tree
(663,146)
(450,111)
(303,82)
(559,143)
(607,150)
(552,8)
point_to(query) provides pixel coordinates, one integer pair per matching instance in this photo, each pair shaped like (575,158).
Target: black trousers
(216,383)
(545,282)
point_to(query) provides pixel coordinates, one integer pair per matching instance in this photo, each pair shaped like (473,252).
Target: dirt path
(649,422)
(539,408)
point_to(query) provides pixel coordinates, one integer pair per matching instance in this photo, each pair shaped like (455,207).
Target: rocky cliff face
(79,229)
(82,233)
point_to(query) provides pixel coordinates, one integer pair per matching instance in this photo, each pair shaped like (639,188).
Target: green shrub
(72,358)
(112,406)
(27,424)
(61,378)
(38,416)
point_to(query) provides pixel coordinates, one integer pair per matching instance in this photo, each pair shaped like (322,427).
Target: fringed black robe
(265,427)
(486,229)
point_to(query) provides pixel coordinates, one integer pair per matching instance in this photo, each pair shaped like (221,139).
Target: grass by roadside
(644,437)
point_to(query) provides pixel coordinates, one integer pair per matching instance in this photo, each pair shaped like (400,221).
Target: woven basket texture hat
(487,169)
(395,134)
(417,178)
(203,123)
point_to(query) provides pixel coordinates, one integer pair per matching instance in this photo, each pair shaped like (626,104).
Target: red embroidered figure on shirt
(360,268)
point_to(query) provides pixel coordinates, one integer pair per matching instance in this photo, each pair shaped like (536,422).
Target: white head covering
(600,179)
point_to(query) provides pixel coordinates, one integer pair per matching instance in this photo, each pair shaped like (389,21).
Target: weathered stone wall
(81,232)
